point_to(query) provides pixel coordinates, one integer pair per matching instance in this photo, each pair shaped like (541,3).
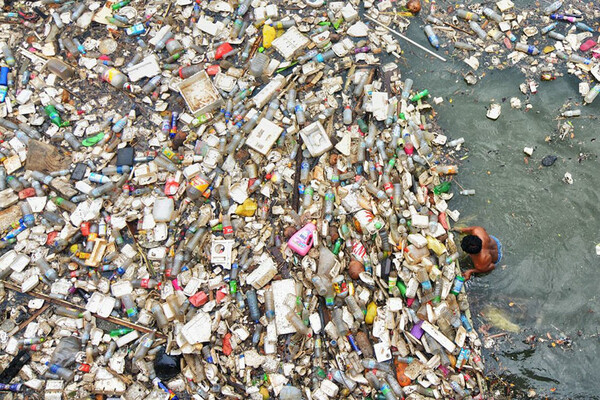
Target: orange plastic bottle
(403,380)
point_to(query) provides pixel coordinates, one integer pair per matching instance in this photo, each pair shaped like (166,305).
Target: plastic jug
(302,240)
(415,254)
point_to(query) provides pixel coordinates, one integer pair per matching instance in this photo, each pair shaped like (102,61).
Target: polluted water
(243,200)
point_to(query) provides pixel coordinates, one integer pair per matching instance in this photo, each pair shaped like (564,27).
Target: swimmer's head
(471,244)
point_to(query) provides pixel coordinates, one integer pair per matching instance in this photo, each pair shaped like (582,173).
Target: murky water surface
(550,274)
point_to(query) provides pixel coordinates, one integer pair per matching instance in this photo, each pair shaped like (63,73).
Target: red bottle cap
(222,50)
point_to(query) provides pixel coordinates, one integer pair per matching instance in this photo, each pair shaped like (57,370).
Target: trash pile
(215,201)
(543,42)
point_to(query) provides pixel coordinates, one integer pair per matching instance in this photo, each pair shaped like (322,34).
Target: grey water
(550,273)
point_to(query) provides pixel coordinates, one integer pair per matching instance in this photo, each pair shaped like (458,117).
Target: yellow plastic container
(371,313)
(269,34)
(435,245)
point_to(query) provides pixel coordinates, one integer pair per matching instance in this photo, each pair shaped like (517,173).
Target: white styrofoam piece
(281,291)
(264,136)
(316,139)
(198,330)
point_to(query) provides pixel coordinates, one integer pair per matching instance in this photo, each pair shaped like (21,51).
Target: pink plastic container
(302,240)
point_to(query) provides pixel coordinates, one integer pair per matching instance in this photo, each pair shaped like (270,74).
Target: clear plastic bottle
(592,94)
(252,301)
(529,49)
(297,323)
(354,308)
(467,15)
(432,37)
(571,113)
(64,373)
(115,77)
(491,14)
(173,46)
(553,7)
(129,306)
(408,83)
(464,46)
(339,323)
(347,115)
(28,217)
(46,269)
(556,36)
(258,63)
(144,346)
(269,305)
(300,115)
(273,107)
(477,29)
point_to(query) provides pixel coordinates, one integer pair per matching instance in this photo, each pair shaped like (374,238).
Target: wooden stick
(65,303)
(405,38)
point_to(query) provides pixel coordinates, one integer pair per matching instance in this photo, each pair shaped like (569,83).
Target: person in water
(485,250)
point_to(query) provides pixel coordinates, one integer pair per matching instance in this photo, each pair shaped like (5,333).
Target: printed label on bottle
(199,183)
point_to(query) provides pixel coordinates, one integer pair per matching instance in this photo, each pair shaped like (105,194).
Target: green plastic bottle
(420,95)
(55,116)
(443,187)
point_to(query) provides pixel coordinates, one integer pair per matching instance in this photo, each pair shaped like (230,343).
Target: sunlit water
(550,275)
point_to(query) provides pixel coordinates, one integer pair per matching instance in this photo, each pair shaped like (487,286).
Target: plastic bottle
(548,28)
(46,269)
(491,14)
(420,95)
(446,169)
(258,64)
(102,190)
(432,37)
(556,36)
(322,57)
(576,58)
(253,305)
(571,113)
(408,83)
(464,46)
(297,323)
(467,15)
(529,49)
(8,54)
(455,142)
(273,107)
(115,77)
(339,323)
(111,170)
(78,10)
(291,101)
(163,41)
(64,373)
(436,21)
(129,305)
(64,204)
(477,29)
(583,27)
(173,46)
(143,347)
(553,7)
(592,94)
(159,316)
(61,69)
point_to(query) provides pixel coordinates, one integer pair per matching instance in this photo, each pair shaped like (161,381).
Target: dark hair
(471,244)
